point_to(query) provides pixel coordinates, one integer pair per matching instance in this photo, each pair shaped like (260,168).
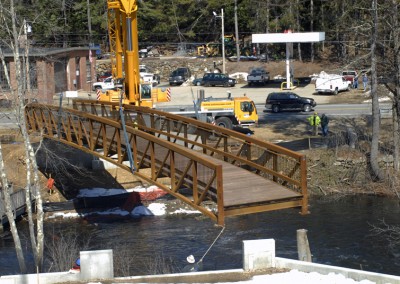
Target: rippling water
(339,233)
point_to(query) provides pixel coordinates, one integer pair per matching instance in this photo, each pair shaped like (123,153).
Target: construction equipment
(124,50)
(215,48)
(230,112)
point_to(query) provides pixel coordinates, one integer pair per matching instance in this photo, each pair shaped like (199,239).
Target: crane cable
(220,233)
(127,144)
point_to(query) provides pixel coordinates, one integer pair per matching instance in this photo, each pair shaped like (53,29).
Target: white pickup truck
(331,83)
(258,76)
(145,76)
(107,84)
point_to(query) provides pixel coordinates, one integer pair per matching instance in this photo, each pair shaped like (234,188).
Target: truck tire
(224,122)
(275,108)
(336,91)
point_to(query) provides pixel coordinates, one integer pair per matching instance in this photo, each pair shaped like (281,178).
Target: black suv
(288,101)
(217,79)
(179,76)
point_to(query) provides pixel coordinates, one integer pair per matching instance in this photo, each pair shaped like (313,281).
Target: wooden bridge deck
(241,174)
(246,192)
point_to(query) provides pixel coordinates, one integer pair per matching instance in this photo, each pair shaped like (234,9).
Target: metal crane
(124,50)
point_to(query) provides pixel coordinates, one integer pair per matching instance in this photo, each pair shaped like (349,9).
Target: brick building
(51,72)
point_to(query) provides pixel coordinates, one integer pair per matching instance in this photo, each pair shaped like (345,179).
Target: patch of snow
(64,215)
(298,277)
(143,189)
(238,75)
(382,99)
(279,77)
(185,211)
(157,209)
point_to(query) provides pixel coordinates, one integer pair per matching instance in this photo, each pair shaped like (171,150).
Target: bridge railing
(271,161)
(154,158)
(18,200)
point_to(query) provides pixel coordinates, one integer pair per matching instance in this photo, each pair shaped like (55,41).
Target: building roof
(44,52)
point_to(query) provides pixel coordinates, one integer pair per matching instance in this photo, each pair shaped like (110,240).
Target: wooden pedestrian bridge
(238,173)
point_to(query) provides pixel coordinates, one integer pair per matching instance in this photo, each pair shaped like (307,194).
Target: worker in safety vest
(50,185)
(314,121)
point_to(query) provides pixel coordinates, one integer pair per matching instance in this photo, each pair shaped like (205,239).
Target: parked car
(179,76)
(218,79)
(278,101)
(197,81)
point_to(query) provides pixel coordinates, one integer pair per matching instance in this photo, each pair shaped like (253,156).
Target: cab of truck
(229,112)
(245,111)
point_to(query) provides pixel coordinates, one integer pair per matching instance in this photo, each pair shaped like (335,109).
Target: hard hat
(190,259)
(315,112)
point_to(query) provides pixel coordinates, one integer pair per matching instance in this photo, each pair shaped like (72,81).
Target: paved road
(184,95)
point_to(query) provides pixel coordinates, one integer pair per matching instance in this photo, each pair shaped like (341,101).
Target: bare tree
(396,91)
(392,73)
(376,172)
(6,190)
(15,34)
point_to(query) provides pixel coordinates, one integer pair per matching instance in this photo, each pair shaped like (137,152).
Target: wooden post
(303,247)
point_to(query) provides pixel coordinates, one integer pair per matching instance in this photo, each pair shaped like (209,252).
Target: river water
(339,233)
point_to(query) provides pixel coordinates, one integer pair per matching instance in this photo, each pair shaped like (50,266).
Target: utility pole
(222,37)
(90,46)
(223,42)
(237,33)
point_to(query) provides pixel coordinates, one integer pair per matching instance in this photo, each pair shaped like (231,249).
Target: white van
(331,83)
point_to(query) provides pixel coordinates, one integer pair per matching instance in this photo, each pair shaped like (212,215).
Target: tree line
(63,23)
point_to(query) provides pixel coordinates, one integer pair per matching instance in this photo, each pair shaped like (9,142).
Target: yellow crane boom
(124,50)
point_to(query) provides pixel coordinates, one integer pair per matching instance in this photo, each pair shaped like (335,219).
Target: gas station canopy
(288,37)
